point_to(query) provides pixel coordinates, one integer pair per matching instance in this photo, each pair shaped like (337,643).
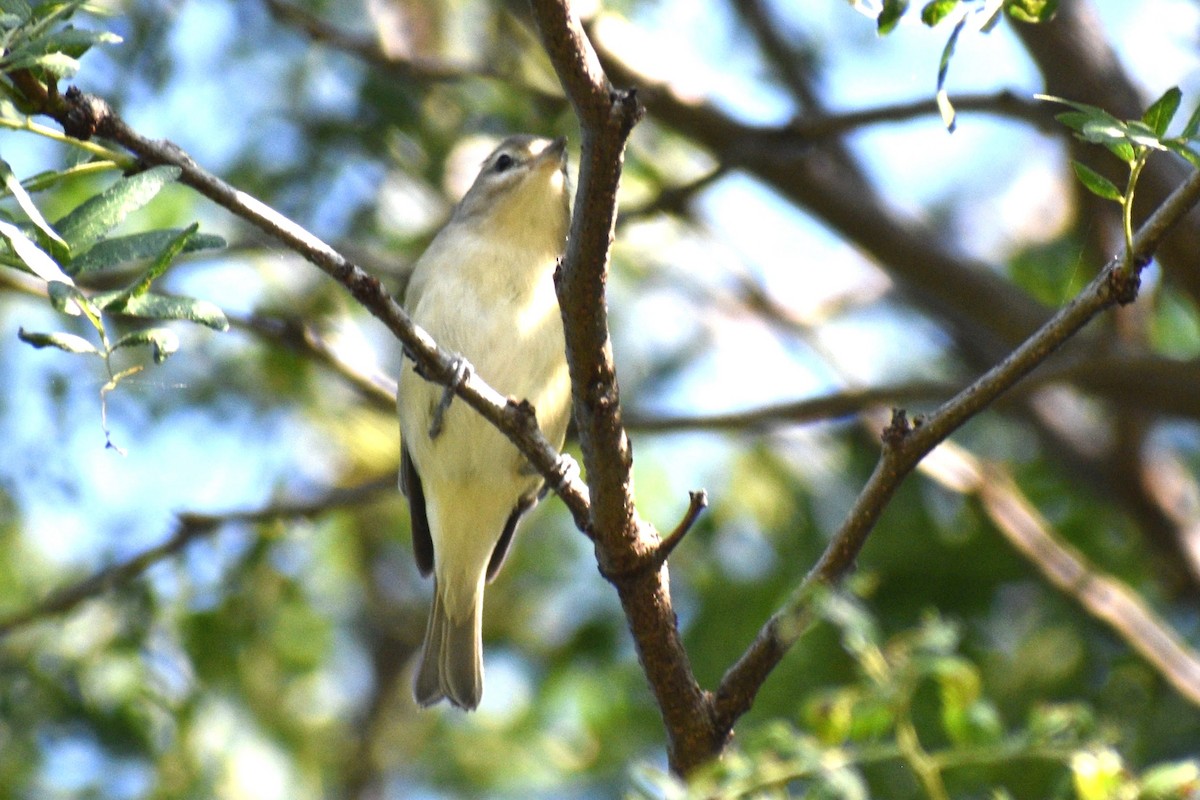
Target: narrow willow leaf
(1122,149)
(96,216)
(164,307)
(943,99)
(1096,183)
(946,109)
(1159,115)
(57,65)
(162,342)
(156,268)
(1143,135)
(1184,151)
(889,15)
(63,341)
(936,10)
(1084,107)
(138,247)
(26,202)
(1075,120)
(1193,125)
(76,41)
(32,256)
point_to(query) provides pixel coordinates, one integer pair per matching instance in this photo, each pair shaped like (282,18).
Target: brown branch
(369,50)
(190,527)
(625,545)
(815,409)
(1004,103)
(303,338)
(1102,596)
(84,116)
(905,446)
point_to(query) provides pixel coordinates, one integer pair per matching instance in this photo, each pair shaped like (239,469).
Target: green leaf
(1171,780)
(1183,151)
(1075,120)
(1122,149)
(936,10)
(1193,125)
(1031,10)
(137,247)
(890,15)
(164,307)
(1159,115)
(26,202)
(943,99)
(63,341)
(32,256)
(155,270)
(1096,183)
(57,65)
(95,217)
(162,342)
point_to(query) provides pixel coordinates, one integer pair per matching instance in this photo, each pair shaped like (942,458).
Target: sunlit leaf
(26,202)
(936,10)
(943,99)
(157,267)
(138,247)
(164,307)
(162,342)
(1096,183)
(63,341)
(1193,124)
(1159,115)
(1031,10)
(84,226)
(889,15)
(58,65)
(32,256)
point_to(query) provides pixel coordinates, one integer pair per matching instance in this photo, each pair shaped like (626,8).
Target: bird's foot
(462,371)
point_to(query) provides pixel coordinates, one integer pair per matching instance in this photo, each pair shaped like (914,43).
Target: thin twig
(697,502)
(301,337)
(84,116)
(405,67)
(189,528)
(832,406)
(1102,596)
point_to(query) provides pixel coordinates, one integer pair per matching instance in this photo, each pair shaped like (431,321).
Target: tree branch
(84,116)
(190,527)
(1102,596)
(905,446)
(625,545)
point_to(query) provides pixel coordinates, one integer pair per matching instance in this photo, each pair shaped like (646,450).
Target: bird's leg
(462,370)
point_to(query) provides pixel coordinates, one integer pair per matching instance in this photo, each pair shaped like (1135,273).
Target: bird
(483,289)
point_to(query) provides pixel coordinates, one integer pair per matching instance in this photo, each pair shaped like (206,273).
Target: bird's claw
(462,371)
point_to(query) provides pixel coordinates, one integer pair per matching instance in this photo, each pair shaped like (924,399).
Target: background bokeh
(269,657)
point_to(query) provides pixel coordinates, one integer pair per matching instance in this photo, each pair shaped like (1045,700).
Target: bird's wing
(422,541)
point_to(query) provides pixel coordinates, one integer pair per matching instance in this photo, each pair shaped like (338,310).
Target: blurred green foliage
(269,657)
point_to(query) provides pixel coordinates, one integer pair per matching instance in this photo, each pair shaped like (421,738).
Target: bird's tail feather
(452,657)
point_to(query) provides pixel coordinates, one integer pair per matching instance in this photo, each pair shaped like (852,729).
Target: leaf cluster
(1132,141)
(37,39)
(917,709)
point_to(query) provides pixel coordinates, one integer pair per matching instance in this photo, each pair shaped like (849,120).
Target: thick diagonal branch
(905,446)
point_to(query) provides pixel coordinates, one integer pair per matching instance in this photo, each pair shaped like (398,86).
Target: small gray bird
(483,289)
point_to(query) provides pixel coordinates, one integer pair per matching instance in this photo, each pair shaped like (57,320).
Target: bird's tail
(452,656)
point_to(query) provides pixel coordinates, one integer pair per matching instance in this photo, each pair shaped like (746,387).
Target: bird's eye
(503,162)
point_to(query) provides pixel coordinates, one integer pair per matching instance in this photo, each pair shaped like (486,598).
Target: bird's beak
(555,152)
